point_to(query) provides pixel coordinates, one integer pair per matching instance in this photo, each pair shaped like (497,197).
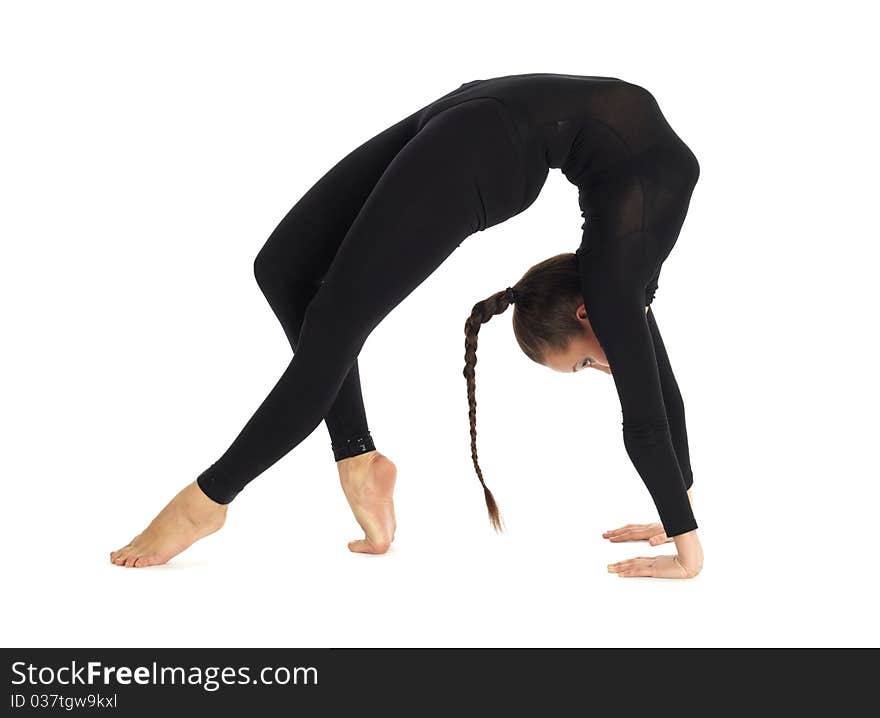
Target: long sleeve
(614,272)
(673,402)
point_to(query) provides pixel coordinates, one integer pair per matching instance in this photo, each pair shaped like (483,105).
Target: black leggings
(353,247)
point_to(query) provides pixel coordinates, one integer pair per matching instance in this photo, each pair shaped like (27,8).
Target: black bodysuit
(389,213)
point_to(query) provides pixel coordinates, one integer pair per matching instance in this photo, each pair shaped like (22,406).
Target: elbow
(646,443)
(645,432)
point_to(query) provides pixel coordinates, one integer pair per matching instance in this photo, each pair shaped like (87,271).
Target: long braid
(481,313)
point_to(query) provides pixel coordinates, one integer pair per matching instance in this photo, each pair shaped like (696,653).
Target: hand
(653,567)
(652,533)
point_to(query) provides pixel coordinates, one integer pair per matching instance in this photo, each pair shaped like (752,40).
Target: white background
(148,150)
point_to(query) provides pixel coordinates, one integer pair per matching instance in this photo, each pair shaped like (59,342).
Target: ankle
(354,462)
(201,508)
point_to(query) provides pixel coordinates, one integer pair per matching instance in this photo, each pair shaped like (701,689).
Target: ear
(581,312)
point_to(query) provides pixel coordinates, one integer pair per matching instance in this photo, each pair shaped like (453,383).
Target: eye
(586,362)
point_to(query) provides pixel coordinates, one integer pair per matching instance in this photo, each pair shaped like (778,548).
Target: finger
(622,536)
(643,564)
(631,536)
(636,533)
(658,539)
(623,565)
(620,564)
(635,559)
(612,532)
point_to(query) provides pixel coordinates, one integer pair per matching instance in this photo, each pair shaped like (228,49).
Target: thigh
(307,238)
(439,189)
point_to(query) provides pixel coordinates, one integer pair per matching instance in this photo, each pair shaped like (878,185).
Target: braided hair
(544,317)
(481,313)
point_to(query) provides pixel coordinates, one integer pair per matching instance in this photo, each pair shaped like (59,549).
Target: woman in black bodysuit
(389,213)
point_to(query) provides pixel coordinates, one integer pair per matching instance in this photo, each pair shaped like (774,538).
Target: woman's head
(550,325)
(549,318)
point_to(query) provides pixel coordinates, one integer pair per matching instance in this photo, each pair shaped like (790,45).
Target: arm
(613,285)
(673,402)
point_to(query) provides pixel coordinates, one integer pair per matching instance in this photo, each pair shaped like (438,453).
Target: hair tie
(511,295)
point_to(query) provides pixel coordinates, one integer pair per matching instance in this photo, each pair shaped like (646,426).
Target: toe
(149,561)
(115,554)
(368,546)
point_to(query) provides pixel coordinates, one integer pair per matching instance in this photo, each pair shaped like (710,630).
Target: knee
(277,280)
(692,169)
(265,269)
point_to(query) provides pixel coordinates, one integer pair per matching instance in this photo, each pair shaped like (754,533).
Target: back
(584,125)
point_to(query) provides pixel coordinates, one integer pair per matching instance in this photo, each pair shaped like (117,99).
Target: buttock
(480,148)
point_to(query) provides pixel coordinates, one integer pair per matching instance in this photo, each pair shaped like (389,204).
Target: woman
(388,214)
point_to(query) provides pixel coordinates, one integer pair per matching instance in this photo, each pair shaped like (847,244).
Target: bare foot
(652,533)
(368,483)
(190,516)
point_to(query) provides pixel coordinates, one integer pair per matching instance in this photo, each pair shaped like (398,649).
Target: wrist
(690,552)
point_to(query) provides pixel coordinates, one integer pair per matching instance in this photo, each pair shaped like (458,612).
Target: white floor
(142,174)
(282,576)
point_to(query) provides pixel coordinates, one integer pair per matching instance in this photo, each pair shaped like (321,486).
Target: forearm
(650,450)
(677,426)
(672,401)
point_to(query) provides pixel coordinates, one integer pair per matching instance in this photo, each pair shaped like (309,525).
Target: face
(584,351)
